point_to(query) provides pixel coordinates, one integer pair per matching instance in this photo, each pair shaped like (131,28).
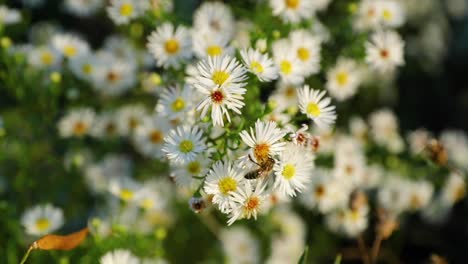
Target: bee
(265,167)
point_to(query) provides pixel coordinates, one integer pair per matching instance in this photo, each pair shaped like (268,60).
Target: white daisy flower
(293,169)
(265,141)
(42,219)
(129,118)
(293,10)
(307,48)
(84,67)
(184,174)
(420,194)
(9,15)
(123,11)
(221,82)
(113,77)
(222,181)
(208,44)
(121,48)
(149,136)
(44,58)
(119,256)
(70,45)
(391,13)
(453,190)
(214,17)
(367,15)
(239,245)
(384,51)
(83,8)
(170,46)
(184,143)
(284,98)
(76,123)
(343,79)
(316,106)
(259,64)
(384,130)
(288,63)
(175,102)
(125,188)
(248,201)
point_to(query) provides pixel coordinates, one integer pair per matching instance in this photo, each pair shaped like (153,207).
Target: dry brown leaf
(55,242)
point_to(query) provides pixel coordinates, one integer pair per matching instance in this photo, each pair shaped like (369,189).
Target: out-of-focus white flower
(83,8)
(149,136)
(384,130)
(207,44)
(288,63)
(119,256)
(42,219)
(123,11)
(456,143)
(240,245)
(307,48)
(71,46)
(77,123)
(125,188)
(418,140)
(184,144)
(259,64)
(44,57)
(9,15)
(105,126)
(293,10)
(129,118)
(453,190)
(384,51)
(215,18)
(343,79)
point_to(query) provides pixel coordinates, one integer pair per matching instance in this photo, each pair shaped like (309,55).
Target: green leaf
(303,258)
(338,259)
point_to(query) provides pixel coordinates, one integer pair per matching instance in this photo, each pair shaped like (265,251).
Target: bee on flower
(248,201)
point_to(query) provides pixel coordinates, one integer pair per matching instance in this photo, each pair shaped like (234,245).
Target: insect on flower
(265,167)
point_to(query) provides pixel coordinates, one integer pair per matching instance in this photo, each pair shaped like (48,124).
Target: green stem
(25,257)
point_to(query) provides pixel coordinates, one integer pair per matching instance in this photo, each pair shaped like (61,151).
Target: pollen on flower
(69,51)
(126,9)
(171,46)
(126,194)
(313,109)
(47,58)
(178,104)
(186,146)
(217,97)
(156,137)
(289,171)
(80,128)
(384,53)
(214,50)
(319,191)
(219,77)
(387,14)
(226,185)
(256,66)
(87,68)
(342,78)
(252,203)
(293,4)
(42,224)
(261,151)
(194,167)
(113,76)
(303,54)
(286,67)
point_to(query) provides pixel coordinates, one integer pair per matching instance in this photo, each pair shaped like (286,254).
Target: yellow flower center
(87,68)
(47,58)
(313,109)
(172,46)
(252,203)
(387,15)
(178,104)
(126,9)
(261,152)
(155,79)
(319,191)
(342,78)
(194,168)
(186,146)
(147,203)
(289,171)
(256,67)
(80,128)
(69,51)
(214,50)
(415,202)
(293,4)
(286,67)
(303,54)
(219,77)
(126,194)
(42,224)
(227,184)
(156,137)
